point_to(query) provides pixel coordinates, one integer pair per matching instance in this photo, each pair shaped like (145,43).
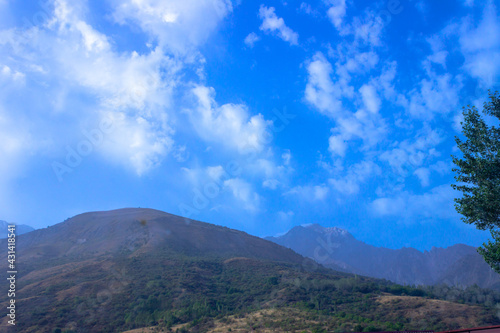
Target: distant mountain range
(20,229)
(457,265)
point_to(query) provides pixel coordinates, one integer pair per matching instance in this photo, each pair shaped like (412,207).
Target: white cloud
(274,24)
(327,96)
(411,154)
(320,192)
(199,177)
(370,98)
(310,192)
(177,25)
(285,216)
(435,94)
(442,167)
(306,8)
(326,88)
(457,120)
(251,39)
(336,13)
(439,53)
(286,156)
(368,29)
(337,145)
(271,184)
(243,192)
(431,206)
(230,124)
(136,141)
(16,148)
(361,62)
(355,177)
(481,45)
(215,172)
(385,81)
(87,80)
(16,144)
(364,125)
(423,175)
(274,173)
(320,91)
(8,76)
(217,187)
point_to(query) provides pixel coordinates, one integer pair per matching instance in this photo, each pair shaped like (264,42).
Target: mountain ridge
(20,229)
(336,246)
(140,229)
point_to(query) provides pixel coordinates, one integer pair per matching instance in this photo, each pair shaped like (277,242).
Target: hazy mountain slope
(129,268)
(109,252)
(20,229)
(134,231)
(456,265)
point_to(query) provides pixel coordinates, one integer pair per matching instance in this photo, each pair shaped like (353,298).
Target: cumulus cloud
(243,191)
(8,76)
(273,24)
(180,26)
(321,91)
(480,45)
(336,13)
(332,92)
(221,187)
(412,154)
(370,98)
(274,172)
(361,62)
(251,39)
(368,29)
(435,94)
(66,58)
(365,29)
(423,175)
(136,141)
(366,125)
(229,125)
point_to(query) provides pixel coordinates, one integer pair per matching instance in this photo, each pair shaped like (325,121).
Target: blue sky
(254,115)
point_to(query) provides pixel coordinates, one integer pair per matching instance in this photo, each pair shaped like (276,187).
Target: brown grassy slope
(418,310)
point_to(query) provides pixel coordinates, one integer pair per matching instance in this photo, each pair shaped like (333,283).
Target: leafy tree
(478,176)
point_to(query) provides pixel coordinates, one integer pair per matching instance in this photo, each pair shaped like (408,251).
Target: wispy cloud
(276,25)
(412,208)
(251,39)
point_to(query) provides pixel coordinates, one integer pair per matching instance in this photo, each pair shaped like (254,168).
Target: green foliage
(491,250)
(472,295)
(478,175)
